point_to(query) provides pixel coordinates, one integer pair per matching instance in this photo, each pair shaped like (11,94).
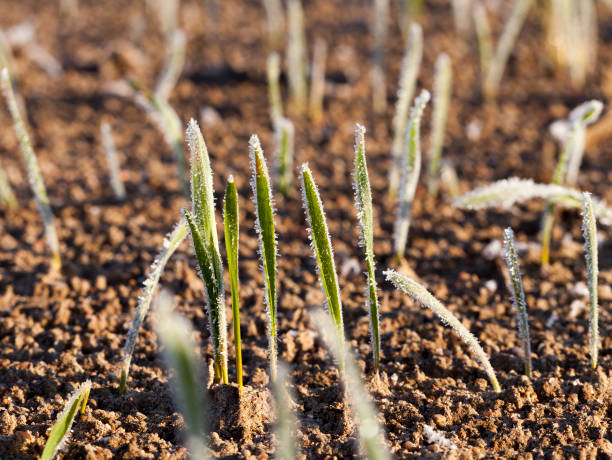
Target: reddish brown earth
(57,331)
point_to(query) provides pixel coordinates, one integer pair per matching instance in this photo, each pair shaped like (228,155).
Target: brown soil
(57,331)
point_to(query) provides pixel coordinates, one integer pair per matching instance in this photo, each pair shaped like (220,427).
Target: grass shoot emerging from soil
(171,242)
(203,227)
(422,296)
(297,59)
(518,296)
(274,93)
(60,432)
(264,224)
(110,152)
(363,203)
(379,38)
(322,249)
(34,176)
(284,138)
(175,59)
(317,81)
(231,228)
(589,230)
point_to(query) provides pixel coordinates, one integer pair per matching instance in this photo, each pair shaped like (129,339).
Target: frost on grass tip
(589,230)
(203,228)
(518,296)
(422,296)
(264,224)
(60,432)
(363,203)
(171,243)
(322,250)
(34,176)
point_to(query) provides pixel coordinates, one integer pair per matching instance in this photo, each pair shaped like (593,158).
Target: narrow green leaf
(264,224)
(171,243)
(61,429)
(297,60)
(589,230)
(230,225)
(422,296)
(284,136)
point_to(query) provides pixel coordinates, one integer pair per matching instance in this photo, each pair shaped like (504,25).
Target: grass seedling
(34,176)
(483,36)
(110,152)
(461,16)
(363,203)
(60,432)
(448,176)
(171,243)
(317,81)
(371,432)
(407,84)
(506,192)
(274,23)
(274,93)
(296,57)
(286,421)
(6,191)
(518,296)
(441,101)
(203,228)
(264,224)
(230,225)
(411,169)
(379,34)
(589,230)
(322,249)
(169,124)
(422,296)
(497,65)
(284,137)
(167,14)
(6,55)
(175,59)
(180,356)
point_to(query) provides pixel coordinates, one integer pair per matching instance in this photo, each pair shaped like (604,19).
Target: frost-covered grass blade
(322,248)
(363,203)
(264,224)
(518,296)
(231,227)
(284,137)
(60,431)
(34,176)
(113,162)
(589,230)
(171,243)
(422,296)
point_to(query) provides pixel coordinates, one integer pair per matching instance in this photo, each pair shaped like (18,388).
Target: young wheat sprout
(461,16)
(411,169)
(407,84)
(296,57)
(175,59)
(286,421)
(363,203)
(497,65)
(448,176)
(264,224)
(203,227)
(379,33)
(274,93)
(60,432)
(34,176)
(441,100)
(230,225)
(483,35)
(371,432)
(284,137)
(589,230)
(180,356)
(518,296)
(113,162)
(171,243)
(274,23)
(317,81)
(422,296)
(322,250)
(6,191)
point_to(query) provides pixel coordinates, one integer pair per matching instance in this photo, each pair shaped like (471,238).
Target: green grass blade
(284,136)
(518,296)
(179,352)
(317,81)
(371,433)
(363,203)
(171,243)
(297,59)
(322,249)
(380,28)
(422,296)
(286,421)
(411,170)
(483,36)
(61,429)
(230,225)
(264,224)
(6,191)
(34,176)
(589,230)
(113,162)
